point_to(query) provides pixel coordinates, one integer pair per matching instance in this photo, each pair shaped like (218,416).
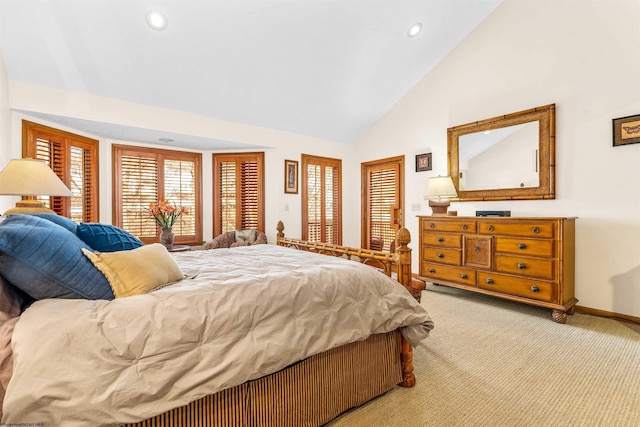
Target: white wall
(5,129)
(580,55)
(281,146)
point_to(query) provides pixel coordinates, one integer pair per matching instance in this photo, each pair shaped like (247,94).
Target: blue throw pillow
(107,238)
(45,260)
(60,220)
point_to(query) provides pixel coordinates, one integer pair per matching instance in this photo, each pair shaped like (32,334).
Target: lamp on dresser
(30,178)
(439,190)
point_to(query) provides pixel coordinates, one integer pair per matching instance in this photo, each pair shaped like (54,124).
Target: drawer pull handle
(535,289)
(463,276)
(490,228)
(535,229)
(432,270)
(476,249)
(465,226)
(432,225)
(440,255)
(440,239)
(522,246)
(489,281)
(522,266)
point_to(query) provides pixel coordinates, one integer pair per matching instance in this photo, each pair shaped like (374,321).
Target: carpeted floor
(491,362)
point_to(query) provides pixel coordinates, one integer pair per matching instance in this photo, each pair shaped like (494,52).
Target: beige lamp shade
(30,177)
(439,190)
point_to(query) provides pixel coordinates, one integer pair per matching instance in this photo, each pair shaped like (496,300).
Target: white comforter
(240,314)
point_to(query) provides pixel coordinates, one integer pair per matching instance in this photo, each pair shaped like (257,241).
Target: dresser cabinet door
(477,251)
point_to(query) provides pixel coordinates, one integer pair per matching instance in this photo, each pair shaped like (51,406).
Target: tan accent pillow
(136,271)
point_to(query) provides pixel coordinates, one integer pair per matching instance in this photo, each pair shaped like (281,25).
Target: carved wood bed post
(280,235)
(403,252)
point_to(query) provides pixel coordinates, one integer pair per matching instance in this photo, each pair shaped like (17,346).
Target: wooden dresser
(530,260)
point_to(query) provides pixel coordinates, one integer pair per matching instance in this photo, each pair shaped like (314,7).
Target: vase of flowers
(166,215)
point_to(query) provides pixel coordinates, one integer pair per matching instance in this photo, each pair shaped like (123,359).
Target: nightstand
(179,248)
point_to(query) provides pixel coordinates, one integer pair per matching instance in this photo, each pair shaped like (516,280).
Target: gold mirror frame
(546,117)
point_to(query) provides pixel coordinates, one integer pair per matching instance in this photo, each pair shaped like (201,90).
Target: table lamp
(439,190)
(30,178)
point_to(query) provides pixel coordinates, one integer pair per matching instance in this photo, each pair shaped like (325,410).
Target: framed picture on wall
(291,176)
(423,162)
(626,130)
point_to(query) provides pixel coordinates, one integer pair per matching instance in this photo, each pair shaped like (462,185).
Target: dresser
(529,260)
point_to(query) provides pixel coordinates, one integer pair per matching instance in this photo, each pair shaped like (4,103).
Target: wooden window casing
(74,159)
(238,192)
(321,199)
(382,201)
(146,175)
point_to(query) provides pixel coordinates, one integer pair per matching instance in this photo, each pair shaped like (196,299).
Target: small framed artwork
(291,177)
(626,130)
(423,162)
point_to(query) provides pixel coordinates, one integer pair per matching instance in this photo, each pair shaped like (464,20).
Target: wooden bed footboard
(397,263)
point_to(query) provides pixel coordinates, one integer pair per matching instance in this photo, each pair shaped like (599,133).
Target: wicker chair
(229,239)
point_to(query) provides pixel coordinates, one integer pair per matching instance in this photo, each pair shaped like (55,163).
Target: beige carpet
(490,362)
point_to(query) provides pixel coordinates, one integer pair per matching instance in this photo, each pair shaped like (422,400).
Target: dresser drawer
(532,247)
(434,273)
(522,266)
(429,225)
(528,288)
(442,255)
(442,240)
(524,229)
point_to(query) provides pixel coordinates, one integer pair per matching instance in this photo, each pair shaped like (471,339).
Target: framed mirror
(510,157)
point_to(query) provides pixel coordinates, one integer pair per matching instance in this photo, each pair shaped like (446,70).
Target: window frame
(119,150)
(238,157)
(31,132)
(396,211)
(306,160)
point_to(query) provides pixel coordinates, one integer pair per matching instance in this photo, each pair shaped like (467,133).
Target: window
(145,175)
(382,202)
(238,192)
(321,199)
(74,159)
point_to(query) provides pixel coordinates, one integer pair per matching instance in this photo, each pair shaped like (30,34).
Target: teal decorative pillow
(45,260)
(60,220)
(248,236)
(106,237)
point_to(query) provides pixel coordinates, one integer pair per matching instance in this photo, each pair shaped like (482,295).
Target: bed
(256,335)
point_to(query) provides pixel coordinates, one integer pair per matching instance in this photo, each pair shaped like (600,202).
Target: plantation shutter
(227,182)
(145,175)
(238,192)
(74,160)
(321,200)
(179,190)
(382,197)
(139,186)
(249,195)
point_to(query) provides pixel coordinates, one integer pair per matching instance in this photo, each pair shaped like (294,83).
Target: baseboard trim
(607,314)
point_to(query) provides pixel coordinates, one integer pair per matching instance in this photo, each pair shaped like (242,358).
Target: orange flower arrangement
(166,214)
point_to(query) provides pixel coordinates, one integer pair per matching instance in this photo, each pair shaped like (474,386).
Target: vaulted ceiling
(324,68)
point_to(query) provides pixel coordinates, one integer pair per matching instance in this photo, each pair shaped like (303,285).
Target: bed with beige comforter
(239,314)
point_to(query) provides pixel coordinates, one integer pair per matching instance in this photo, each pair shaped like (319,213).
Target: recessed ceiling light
(414,29)
(156,20)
